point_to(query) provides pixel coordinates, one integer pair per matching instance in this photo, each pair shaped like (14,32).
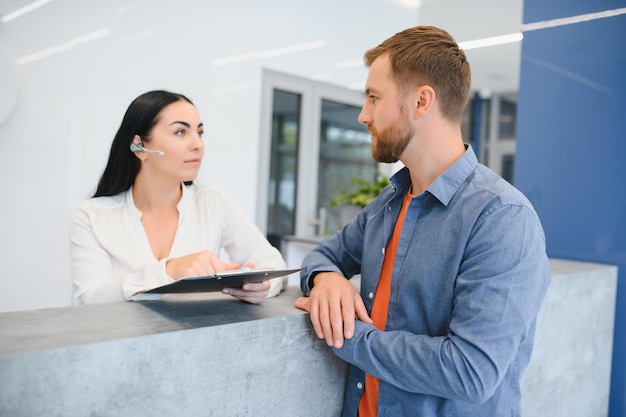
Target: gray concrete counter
(211,355)
(29,330)
(184,355)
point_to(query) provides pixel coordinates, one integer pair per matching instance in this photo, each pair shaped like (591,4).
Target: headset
(139,148)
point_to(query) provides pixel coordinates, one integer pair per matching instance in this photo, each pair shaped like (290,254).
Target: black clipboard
(213,283)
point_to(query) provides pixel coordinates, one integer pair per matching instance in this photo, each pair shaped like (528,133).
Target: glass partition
(345,153)
(283,166)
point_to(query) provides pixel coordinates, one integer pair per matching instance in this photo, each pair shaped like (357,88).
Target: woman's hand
(251,292)
(197,264)
(206,263)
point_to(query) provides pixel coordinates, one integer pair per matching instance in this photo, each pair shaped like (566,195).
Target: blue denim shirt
(469,277)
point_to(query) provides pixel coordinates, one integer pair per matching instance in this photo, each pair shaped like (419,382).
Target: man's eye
(373,98)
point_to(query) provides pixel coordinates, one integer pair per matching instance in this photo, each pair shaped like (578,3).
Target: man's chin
(388,159)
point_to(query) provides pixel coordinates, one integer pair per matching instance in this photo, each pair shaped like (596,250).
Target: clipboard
(214,283)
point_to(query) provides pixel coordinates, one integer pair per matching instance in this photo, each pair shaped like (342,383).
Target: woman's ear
(136,147)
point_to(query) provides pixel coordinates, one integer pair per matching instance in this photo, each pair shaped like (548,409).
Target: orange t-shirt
(368,404)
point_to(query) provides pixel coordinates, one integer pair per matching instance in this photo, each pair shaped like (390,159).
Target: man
(452,257)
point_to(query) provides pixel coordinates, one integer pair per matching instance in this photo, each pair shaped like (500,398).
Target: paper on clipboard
(213,283)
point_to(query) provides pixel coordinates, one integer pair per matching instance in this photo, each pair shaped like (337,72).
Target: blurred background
(70,68)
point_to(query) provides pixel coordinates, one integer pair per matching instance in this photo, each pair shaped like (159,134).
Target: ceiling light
(62,47)
(268,53)
(494,40)
(573,19)
(413,4)
(23,10)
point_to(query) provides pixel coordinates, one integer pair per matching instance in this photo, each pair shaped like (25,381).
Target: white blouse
(112,259)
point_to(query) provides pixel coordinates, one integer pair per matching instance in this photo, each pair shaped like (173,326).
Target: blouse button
(359,385)
(370,295)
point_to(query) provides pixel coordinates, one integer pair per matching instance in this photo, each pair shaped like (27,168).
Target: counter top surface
(50,328)
(32,330)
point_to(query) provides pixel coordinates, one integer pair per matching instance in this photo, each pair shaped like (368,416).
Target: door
(312,145)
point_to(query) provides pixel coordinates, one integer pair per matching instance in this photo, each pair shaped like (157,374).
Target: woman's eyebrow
(187,125)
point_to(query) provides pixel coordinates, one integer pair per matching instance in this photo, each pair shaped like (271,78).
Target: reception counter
(184,355)
(211,355)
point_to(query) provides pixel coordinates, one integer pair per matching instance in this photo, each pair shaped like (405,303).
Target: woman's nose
(198,143)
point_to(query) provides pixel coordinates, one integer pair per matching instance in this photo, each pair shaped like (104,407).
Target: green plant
(363,193)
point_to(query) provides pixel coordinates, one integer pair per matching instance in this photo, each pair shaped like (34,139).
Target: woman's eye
(179,132)
(201,133)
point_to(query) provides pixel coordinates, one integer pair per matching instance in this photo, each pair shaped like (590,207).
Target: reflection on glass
(283,166)
(345,152)
(508,162)
(508,110)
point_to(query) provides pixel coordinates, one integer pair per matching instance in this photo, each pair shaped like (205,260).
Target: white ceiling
(495,69)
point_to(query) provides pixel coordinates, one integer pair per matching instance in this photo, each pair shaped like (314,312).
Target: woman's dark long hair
(140,118)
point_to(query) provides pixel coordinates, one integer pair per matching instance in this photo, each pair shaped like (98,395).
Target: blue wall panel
(571,145)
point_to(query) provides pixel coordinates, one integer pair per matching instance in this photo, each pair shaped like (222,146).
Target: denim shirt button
(359,385)
(370,295)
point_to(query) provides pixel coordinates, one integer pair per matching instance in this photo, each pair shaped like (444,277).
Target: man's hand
(333,306)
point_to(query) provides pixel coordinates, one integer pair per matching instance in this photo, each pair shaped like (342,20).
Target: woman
(148,224)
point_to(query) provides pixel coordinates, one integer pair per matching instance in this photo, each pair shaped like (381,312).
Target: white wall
(66,107)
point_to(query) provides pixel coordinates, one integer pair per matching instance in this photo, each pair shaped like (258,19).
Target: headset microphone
(138,148)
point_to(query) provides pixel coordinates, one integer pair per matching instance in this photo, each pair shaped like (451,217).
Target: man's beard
(392,140)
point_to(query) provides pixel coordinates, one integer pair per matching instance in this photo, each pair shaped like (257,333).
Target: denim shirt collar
(447,184)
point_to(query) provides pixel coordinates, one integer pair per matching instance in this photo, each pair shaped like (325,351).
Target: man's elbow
(479,386)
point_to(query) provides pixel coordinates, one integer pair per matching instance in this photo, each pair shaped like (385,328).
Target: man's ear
(423,100)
